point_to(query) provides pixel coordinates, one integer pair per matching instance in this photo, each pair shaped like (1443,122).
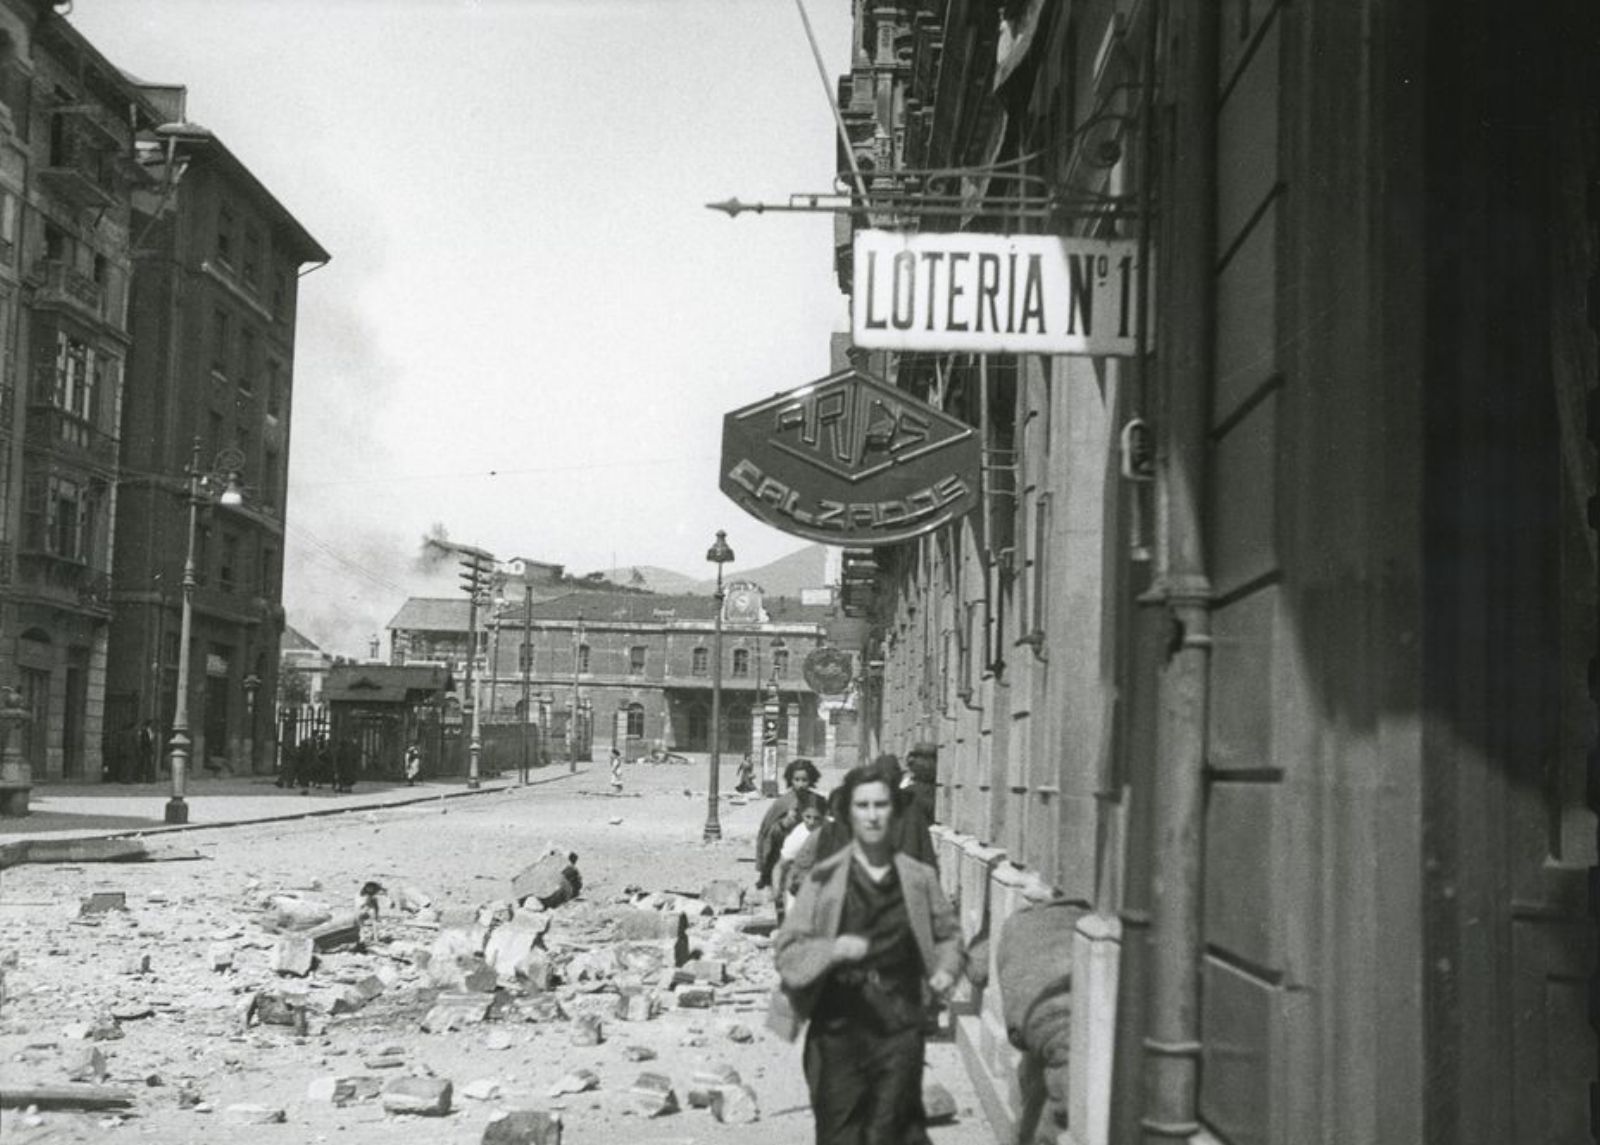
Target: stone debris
(343,1089)
(389,1057)
(576,1081)
(101,901)
(712,971)
(938,1104)
(497,1040)
(456,1011)
(735,1105)
(738,1032)
(220,956)
(725,896)
(637,1006)
(696,998)
(338,932)
(587,1031)
(289,912)
(102,1028)
(639,1054)
(523,1127)
(136,964)
(542,1008)
(421,1096)
(83,1061)
(249,1114)
(481,1089)
(652,1095)
(293,955)
(74,1096)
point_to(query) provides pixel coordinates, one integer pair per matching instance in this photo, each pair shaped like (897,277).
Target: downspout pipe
(1172,1039)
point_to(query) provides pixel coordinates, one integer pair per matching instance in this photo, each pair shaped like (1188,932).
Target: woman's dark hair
(799,766)
(856,777)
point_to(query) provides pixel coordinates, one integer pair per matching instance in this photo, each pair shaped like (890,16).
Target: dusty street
(195,1040)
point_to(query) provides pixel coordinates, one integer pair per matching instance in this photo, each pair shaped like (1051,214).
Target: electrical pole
(527,669)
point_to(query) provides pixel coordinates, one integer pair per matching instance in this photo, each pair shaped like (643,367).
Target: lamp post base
(713,832)
(177,810)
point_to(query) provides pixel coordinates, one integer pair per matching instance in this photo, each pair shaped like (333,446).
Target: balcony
(56,283)
(64,580)
(69,437)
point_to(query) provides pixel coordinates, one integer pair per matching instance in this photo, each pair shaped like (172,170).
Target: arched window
(701,663)
(636,721)
(741,661)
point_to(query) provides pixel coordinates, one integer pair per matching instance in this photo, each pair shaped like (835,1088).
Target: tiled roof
(636,608)
(432,614)
(293,640)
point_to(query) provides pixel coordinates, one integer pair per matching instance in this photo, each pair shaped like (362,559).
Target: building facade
(211,386)
(67,177)
(1290,710)
(637,665)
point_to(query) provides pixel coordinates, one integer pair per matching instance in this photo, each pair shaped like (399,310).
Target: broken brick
(652,1095)
(523,1127)
(421,1096)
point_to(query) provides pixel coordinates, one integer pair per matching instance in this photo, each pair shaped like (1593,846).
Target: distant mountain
(785,576)
(652,578)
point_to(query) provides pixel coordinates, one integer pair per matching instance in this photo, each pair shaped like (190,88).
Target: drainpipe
(1172,1037)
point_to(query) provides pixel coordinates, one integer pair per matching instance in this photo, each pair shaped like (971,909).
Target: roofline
(196,146)
(52,22)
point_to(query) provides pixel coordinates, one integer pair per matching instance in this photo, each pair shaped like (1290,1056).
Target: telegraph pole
(527,669)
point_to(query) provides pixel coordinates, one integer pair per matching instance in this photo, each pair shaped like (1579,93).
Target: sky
(531,325)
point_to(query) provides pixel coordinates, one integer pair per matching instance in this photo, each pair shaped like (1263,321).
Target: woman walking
(869,930)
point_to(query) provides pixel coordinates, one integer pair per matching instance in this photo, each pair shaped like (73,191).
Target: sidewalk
(108,810)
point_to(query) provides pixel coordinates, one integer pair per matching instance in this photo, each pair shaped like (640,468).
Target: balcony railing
(64,433)
(63,578)
(57,281)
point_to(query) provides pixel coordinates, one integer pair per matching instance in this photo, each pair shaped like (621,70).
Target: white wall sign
(1020,294)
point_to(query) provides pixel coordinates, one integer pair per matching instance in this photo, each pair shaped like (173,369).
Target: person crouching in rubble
(868,932)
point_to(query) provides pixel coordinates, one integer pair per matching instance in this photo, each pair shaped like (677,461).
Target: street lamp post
(577,695)
(718,554)
(181,745)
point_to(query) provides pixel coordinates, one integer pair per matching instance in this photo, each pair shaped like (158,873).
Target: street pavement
(173,1031)
(84,811)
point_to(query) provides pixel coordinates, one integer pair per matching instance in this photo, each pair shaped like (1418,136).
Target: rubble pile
(394,1008)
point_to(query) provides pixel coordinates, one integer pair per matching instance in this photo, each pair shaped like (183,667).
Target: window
(741,661)
(636,660)
(780,661)
(525,658)
(214,432)
(269,478)
(221,340)
(583,657)
(247,360)
(266,581)
(224,248)
(635,721)
(700,662)
(251,269)
(274,377)
(55,243)
(56,516)
(280,295)
(230,562)
(202,554)
(76,373)
(8,226)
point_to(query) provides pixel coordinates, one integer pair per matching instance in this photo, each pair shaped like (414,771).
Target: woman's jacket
(803,946)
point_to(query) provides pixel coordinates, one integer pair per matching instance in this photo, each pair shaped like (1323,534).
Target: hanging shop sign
(1016,294)
(829,671)
(849,460)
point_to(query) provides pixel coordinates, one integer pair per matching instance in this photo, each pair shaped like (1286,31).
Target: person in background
(148,744)
(911,827)
(811,816)
(413,764)
(616,769)
(801,776)
(745,780)
(869,931)
(922,778)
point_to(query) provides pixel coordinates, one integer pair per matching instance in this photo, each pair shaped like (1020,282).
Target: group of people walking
(314,762)
(868,944)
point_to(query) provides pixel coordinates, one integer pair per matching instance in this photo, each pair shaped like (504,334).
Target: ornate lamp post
(226,467)
(718,554)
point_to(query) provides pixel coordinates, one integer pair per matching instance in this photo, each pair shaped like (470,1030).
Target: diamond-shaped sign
(849,459)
